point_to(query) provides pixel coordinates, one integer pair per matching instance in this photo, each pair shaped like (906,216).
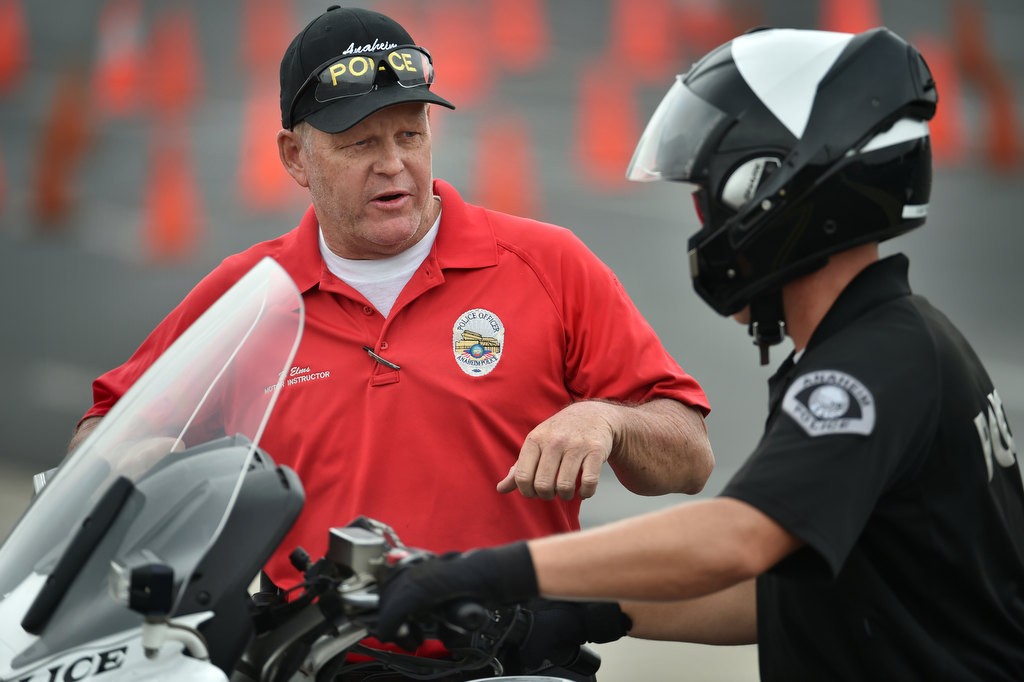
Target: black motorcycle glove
(560,628)
(491,577)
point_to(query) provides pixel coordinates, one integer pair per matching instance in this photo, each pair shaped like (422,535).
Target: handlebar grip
(463,615)
(407,637)
(467,614)
(586,663)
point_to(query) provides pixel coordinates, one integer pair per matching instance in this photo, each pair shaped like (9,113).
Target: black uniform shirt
(887,451)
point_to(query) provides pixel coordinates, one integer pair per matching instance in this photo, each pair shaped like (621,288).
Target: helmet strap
(767,322)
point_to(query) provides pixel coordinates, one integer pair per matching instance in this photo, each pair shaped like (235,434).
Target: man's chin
(396,239)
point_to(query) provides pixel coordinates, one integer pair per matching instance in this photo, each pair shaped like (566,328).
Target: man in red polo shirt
(448,350)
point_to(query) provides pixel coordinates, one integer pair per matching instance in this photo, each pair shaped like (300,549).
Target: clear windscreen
(217,382)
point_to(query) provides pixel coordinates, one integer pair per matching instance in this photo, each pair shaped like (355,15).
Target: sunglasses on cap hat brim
(354,75)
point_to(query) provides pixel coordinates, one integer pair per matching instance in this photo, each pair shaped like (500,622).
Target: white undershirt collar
(380,280)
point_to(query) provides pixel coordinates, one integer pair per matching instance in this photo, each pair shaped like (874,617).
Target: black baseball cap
(338,32)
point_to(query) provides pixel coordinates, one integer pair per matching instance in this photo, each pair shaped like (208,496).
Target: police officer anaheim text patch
(478,340)
(828,402)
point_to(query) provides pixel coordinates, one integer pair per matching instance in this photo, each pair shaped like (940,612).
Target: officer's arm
(682,552)
(706,552)
(726,617)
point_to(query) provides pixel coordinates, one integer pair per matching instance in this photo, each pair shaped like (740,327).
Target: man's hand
(134,459)
(572,445)
(490,577)
(657,447)
(559,628)
(83,430)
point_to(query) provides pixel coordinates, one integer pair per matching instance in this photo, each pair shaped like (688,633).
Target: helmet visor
(674,137)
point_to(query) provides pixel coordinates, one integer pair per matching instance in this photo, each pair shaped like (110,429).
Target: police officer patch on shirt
(478,339)
(826,402)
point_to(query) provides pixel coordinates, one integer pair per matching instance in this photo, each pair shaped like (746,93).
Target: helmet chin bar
(767,322)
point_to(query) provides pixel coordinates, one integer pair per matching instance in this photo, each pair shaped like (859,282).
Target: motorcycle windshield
(212,390)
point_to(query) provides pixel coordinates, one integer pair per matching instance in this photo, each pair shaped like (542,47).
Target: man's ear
(289,148)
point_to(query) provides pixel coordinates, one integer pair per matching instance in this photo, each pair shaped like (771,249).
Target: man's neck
(806,300)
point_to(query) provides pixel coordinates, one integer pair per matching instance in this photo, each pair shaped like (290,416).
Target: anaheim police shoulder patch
(826,402)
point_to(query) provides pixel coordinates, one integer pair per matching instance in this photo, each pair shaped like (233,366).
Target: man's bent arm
(654,448)
(661,447)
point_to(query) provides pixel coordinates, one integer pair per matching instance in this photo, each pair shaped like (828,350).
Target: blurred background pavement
(137,150)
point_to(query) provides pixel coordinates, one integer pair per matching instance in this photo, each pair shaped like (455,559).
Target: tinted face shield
(672,144)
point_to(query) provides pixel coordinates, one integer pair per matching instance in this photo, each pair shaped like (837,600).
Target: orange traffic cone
(65,137)
(172,224)
(459,49)
(267,28)
(608,128)
(1002,145)
(643,44)
(947,127)
(1002,142)
(705,24)
(504,171)
(849,16)
(520,34)
(263,183)
(174,62)
(13,43)
(117,76)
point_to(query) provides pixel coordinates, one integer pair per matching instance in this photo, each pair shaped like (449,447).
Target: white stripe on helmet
(784,66)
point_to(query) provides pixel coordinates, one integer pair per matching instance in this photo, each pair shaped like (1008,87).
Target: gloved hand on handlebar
(559,628)
(492,577)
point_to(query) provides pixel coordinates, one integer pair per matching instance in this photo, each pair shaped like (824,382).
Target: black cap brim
(345,113)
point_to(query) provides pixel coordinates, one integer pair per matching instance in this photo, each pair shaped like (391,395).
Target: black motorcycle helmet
(800,144)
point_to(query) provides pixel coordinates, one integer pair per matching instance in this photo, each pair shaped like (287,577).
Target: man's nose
(390,160)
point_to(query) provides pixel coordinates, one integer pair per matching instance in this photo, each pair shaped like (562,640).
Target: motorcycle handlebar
(586,662)
(340,597)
